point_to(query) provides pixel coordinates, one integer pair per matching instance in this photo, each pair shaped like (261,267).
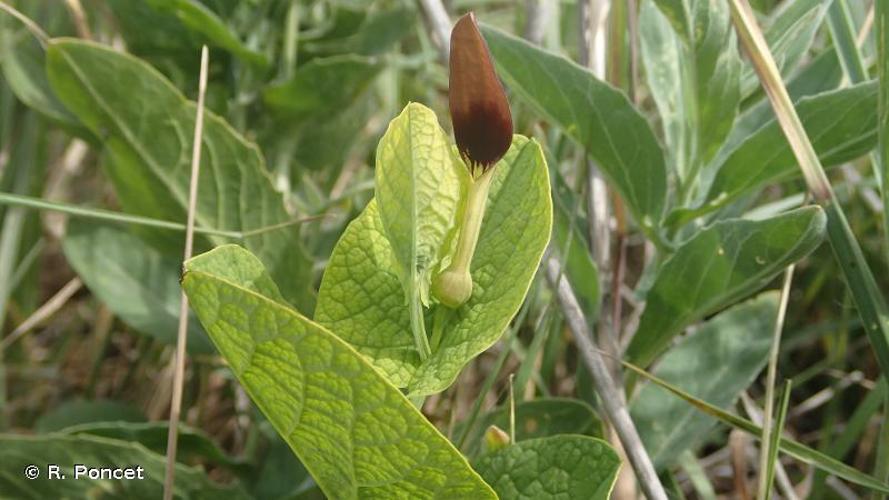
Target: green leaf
(598,116)
(151,32)
(362,301)
(536,419)
(355,433)
(556,467)
(18,452)
(821,75)
(842,125)
(719,265)
(675,12)
(322,87)
(137,282)
(200,19)
(361,298)
(662,53)
(732,348)
(706,94)
(81,411)
(22,60)
(419,187)
(327,143)
(570,242)
(147,126)
(791,30)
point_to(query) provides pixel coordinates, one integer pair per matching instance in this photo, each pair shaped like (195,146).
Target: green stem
(418,327)
(476,198)
(453,286)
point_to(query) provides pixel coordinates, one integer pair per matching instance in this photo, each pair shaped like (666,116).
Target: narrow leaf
(598,116)
(841,123)
(200,19)
(321,87)
(694,79)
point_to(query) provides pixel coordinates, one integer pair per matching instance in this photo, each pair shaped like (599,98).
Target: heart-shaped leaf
(357,435)
(565,466)
(361,299)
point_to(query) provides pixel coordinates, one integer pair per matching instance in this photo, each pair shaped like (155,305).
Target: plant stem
(453,286)
(609,391)
(473,213)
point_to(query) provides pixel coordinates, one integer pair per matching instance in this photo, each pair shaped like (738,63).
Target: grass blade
(767,460)
(772,449)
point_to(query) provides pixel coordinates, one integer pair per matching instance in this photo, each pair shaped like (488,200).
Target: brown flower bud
(479,110)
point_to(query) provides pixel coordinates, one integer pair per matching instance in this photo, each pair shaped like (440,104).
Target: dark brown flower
(479,110)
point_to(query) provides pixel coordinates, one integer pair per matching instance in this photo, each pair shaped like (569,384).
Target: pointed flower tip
(479,109)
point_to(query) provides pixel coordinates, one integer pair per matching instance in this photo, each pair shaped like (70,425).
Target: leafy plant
(424,280)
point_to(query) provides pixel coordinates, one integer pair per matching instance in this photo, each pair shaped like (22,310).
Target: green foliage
(23,70)
(419,188)
(790,32)
(718,266)
(193,445)
(146,125)
(565,466)
(200,19)
(593,113)
(80,411)
(321,87)
(356,434)
(361,299)
(694,78)
(731,349)
(687,143)
(139,283)
(841,124)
